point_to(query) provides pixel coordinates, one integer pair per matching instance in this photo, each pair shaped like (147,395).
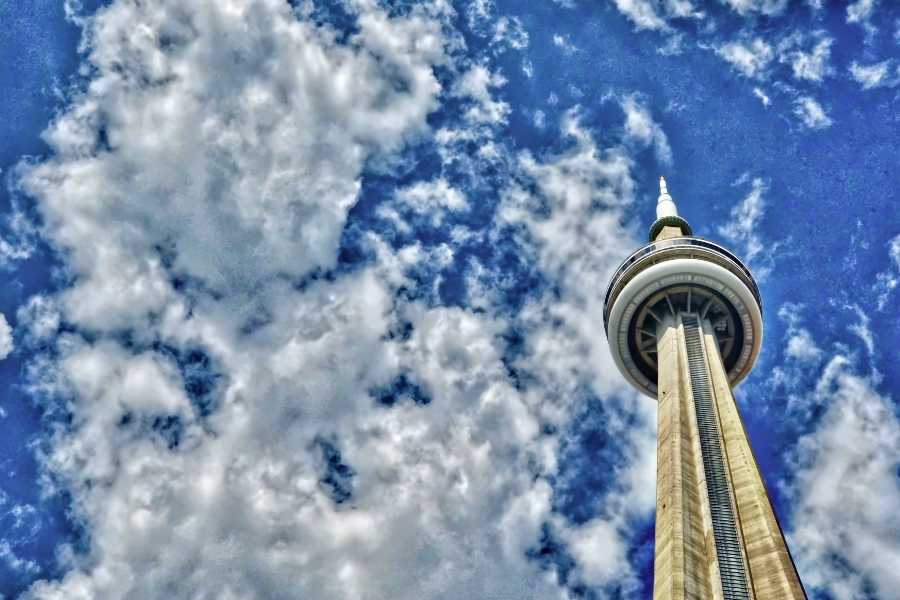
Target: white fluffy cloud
(573,222)
(350,442)
(842,478)
(206,169)
(6,338)
(846,489)
(750,58)
(743,227)
(887,280)
(800,344)
(255,157)
(648,14)
(765,7)
(861,11)
(811,113)
(763,97)
(431,199)
(875,75)
(640,127)
(476,84)
(642,13)
(812,64)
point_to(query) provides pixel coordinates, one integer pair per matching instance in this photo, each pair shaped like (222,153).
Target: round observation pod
(681,275)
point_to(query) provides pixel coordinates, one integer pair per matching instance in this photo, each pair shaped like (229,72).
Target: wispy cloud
(750,58)
(641,128)
(875,75)
(861,11)
(765,7)
(763,97)
(887,280)
(811,113)
(743,228)
(841,479)
(6,338)
(810,65)
(845,487)
(642,13)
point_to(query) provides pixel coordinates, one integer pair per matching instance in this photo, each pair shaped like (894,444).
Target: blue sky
(305,299)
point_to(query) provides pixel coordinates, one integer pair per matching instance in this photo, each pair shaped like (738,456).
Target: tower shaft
(717,536)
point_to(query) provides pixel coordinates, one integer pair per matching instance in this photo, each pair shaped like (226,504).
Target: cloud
(15,562)
(642,13)
(431,199)
(744,228)
(641,128)
(763,97)
(571,205)
(800,344)
(504,32)
(812,65)
(765,7)
(887,280)
(476,84)
(647,14)
(256,419)
(6,338)
(750,58)
(845,486)
(510,32)
(564,44)
(179,146)
(227,386)
(880,74)
(861,11)
(17,231)
(841,478)
(573,225)
(811,113)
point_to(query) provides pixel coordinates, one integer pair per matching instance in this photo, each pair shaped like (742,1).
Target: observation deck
(681,275)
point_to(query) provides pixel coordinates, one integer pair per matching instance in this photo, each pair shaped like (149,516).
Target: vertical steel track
(728,549)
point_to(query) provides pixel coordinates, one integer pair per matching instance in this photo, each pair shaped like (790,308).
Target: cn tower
(683,318)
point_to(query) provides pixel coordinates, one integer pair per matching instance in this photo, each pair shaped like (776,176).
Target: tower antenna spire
(668,224)
(665,206)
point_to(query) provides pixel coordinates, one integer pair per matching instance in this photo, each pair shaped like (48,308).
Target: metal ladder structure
(728,546)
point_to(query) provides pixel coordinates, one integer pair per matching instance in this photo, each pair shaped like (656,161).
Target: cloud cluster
(572,212)
(243,130)
(841,476)
(247,417)
(6,337)
(230,433)
(845,487)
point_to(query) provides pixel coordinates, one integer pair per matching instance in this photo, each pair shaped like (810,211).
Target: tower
(684,322)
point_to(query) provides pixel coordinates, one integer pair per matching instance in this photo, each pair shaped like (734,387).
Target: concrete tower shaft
(684,322)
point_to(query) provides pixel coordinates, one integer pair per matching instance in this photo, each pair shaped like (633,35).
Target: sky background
(304,299)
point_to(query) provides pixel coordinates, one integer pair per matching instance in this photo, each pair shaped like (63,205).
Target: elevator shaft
(732,569)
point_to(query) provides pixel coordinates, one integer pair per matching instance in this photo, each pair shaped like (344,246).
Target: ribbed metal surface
(728,549)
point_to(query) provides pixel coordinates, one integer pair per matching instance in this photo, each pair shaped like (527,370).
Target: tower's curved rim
(669,249)
(683,271)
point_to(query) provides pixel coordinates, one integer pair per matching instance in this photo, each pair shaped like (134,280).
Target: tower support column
(772,571)
(712,504)
(685,563)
